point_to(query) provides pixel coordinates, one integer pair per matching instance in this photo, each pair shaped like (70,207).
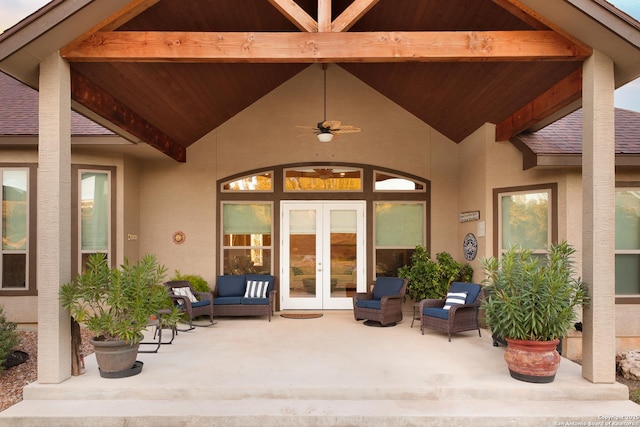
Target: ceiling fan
(326,129)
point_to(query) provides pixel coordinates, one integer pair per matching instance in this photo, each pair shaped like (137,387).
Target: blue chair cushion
(227,300)
(231,285)
(440,313)
(369,303)
(472,290)
(261,278)
(200,303)
(387,286)
(254,301)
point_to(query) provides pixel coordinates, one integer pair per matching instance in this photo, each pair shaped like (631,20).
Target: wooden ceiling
(171,71)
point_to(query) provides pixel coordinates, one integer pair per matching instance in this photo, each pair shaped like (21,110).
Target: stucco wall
(182,196)
(130,227)
(24,309)
(268,131)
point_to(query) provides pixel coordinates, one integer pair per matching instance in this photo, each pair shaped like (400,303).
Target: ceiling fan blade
(347,129)
(331,124)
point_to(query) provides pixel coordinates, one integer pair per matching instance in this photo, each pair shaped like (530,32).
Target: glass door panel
(316,235)
(301,264)
(342,253)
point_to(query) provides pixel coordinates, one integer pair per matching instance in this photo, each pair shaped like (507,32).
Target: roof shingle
(19,112)
(564,136)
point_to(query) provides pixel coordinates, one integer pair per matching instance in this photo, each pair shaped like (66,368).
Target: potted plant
(532,303)
(115,304)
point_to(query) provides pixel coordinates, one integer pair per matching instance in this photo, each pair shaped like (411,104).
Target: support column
(54,219)
(598,219)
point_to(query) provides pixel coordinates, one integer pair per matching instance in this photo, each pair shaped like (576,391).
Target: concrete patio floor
(326,371)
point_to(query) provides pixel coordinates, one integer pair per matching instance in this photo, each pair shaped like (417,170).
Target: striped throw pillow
(185,292)
(256,289)
(454,298)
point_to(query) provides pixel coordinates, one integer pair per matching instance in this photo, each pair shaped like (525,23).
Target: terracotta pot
(115,356)
(532,361)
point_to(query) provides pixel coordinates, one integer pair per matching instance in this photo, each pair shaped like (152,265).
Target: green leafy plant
(115,303)
(431,279)
(8,337)
(197,282)
(533,299)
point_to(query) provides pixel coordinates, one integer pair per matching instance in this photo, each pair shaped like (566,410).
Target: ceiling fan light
(325,136)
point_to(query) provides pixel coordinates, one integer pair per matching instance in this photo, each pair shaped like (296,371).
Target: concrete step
(286,412)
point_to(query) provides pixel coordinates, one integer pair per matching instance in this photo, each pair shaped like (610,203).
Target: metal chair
(183,296)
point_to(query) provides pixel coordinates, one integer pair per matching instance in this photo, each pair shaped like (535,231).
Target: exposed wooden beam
(520,13)
(128,12)
(352,14)
(443,46)
(557,97)
(324,16)
(296,15)
(97,100)
(538,21)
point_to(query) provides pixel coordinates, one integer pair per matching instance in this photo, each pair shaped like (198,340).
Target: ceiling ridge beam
(304,22)
(385,46)
(557,97)
(89,95)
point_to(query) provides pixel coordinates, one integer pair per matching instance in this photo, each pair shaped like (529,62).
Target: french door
(323,254)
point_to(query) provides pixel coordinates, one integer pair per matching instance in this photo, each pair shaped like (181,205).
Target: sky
(628,96)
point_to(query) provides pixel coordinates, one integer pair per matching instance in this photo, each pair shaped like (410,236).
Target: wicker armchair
(202,307)
(458,317)
(383,304)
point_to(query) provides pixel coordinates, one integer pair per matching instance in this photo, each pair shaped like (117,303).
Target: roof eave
(24,46)
(532,160)
(601,26)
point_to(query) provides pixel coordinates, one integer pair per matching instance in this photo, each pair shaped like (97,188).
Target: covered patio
(516,69)
(326,371)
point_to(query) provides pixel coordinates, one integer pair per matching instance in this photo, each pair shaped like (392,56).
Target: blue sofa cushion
(472,290)
(200,303)
(262,278)
(254,301)
(369,303)
(387,286)
(227,300)
(440,313)
(231,285)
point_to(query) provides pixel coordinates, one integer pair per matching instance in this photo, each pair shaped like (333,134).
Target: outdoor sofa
(244,295)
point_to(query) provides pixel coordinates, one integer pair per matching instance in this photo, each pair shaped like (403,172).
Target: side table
(416,312)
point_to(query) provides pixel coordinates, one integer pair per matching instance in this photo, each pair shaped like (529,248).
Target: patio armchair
(383,303)
(191,302)
(456,313)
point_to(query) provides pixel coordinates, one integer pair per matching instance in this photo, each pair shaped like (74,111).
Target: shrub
(115,303)
(197,281)
(431,279)
(8,337)
(532,298)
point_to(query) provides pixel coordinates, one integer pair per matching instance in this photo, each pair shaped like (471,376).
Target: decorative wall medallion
(470,247)
(179,237)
